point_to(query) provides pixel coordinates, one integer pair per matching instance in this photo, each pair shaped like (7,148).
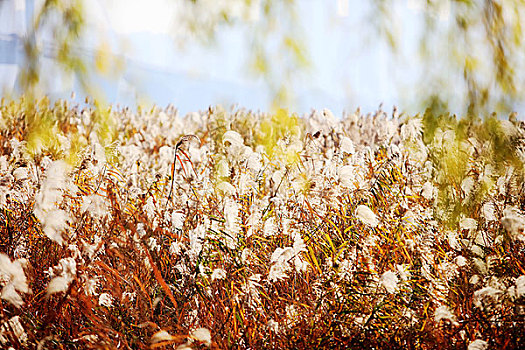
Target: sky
(350,67)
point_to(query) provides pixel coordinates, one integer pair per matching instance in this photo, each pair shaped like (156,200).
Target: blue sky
(350,66)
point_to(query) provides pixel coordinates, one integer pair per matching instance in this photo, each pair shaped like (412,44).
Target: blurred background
(458,56)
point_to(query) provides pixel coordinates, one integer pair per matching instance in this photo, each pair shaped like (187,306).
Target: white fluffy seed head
(347,146)
(202,335)
(53,220)
(105,299)
(218,274)
(366,216)
(389,281)
(443,313)
(478,344)
(161,336)
(14,279)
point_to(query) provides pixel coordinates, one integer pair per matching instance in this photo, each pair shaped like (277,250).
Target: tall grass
(234,229)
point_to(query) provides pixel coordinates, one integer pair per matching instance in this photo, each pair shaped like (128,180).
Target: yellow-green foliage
(44,127)
(275,127)
(104,122)
(43,134)
(455,145)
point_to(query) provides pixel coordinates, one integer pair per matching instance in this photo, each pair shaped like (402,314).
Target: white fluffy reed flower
(487,296)
(467,185)
(412,129)
(245,183)
(232,139)
(247,256)
(270,227)
(282,258)
(99,153)
(329,116)
(105,299)
(520,286)
(278,272)
(403,271)
(14,328)
(218,274)
(282,255)
(443,313)
(428,190)
(176,248)
(153,244)
(196,237)
(4,165)
(460,260)
(165,158)
(58,284)
(149,207)
(13,279)
(235,145)
(161,336)
(513,222)
(273,326)
(478,344)
(96,205)
(292,315)
(366,216)
(177,220)
(231,225)
(68,271)
(254,162)
(346,175)
(226,188)
(90,286)
(468,224)
(488,211)
(389,281)
(53,220)
(250,288)
(223,168)
(21,174)
(202,335)
(298,248)
(474,279)
(347,146)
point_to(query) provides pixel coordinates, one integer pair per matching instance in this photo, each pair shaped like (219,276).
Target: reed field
(228,228)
